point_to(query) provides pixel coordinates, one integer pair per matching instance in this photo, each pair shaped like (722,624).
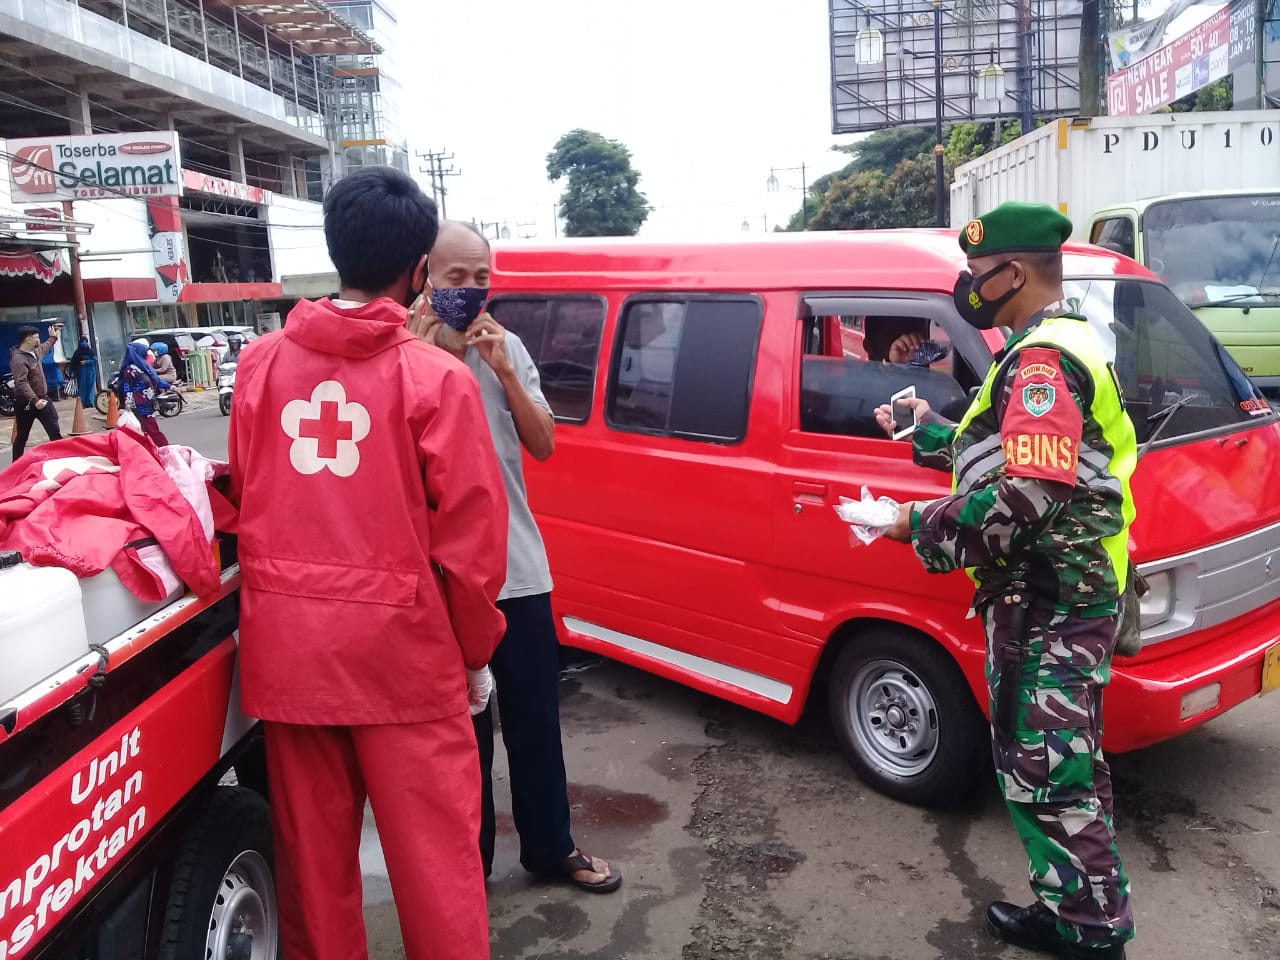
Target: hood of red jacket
(362,332)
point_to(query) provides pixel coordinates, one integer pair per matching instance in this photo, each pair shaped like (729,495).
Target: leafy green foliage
(1219,95)
(601,198)
(892,178)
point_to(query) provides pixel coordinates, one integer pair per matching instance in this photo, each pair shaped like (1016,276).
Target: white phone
(903,414)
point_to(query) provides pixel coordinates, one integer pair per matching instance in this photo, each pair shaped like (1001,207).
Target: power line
(435,169)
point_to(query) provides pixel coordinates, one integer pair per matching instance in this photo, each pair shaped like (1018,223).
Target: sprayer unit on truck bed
(1193,196)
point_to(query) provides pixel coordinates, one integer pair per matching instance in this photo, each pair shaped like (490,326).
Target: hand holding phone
(903,412)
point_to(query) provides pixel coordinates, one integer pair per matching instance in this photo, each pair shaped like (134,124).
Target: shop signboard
(95,166)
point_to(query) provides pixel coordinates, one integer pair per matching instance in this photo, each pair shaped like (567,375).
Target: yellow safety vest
(1076,340)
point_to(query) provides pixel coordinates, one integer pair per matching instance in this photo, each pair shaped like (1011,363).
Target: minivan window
(1163,355)
(683,367)
(839,394)
(562,334)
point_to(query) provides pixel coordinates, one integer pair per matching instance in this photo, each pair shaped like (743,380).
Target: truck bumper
(1154,697)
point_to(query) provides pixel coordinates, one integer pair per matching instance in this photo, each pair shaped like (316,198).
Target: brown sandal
(580,861)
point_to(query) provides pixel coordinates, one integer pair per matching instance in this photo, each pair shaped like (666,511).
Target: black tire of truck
(222,900)
(224,404)
(906,719)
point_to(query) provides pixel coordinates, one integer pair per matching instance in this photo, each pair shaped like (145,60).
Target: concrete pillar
(235,153)
(79,110)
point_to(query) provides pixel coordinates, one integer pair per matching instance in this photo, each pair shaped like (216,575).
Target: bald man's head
(460,257)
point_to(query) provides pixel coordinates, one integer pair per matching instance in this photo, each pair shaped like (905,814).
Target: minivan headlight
(1157,606)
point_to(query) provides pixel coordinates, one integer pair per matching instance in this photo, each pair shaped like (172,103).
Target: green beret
(1016,228)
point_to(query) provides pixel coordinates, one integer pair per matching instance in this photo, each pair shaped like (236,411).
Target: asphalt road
(743,838)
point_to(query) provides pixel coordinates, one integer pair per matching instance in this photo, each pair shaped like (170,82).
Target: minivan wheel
(906,719)
(222,899)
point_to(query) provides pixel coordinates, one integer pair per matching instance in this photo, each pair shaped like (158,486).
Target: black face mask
(977,312)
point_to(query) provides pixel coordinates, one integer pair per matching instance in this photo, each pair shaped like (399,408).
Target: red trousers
(423,782)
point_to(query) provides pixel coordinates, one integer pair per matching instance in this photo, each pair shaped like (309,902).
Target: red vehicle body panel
(731,555)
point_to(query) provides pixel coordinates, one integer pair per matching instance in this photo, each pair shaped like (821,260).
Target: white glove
(868,517)
(479,689)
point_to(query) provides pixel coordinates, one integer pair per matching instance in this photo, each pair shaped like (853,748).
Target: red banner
(66,833)
(1178,69)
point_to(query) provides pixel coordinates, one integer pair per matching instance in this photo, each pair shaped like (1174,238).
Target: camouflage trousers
(1051,769)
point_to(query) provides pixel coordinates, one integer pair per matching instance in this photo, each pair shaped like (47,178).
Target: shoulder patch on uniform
(1039,398)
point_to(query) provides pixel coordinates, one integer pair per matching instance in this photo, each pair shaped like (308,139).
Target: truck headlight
(1157,606)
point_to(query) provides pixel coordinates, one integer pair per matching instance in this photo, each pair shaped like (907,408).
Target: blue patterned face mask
(458,307)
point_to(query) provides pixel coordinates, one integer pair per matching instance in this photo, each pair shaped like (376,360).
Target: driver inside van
(903,340)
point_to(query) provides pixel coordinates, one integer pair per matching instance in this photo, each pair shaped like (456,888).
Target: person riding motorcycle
(164,363)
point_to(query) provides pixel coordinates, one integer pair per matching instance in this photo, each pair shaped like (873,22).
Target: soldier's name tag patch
(1038,398)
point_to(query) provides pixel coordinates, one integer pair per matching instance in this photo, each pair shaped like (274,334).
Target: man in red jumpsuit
(372,546)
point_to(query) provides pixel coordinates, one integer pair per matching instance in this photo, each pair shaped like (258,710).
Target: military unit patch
(974,232)
(1038,398)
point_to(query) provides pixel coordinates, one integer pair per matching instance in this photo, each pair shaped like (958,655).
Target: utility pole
(435,168)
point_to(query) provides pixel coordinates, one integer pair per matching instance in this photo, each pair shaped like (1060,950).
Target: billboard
(900,89)
(95,166)
(1176,70)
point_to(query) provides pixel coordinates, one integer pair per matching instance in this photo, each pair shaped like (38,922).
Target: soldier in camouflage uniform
(1040,514)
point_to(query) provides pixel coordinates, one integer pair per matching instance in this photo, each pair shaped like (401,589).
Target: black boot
(1036,928)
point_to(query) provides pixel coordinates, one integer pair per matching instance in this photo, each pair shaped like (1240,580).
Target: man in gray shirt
(526,663)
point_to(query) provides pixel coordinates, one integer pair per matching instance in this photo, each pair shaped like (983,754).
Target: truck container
(1193,196)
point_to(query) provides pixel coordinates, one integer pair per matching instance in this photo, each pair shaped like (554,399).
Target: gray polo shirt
(528,573)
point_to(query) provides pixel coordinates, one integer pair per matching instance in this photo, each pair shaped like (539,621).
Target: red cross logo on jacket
(326,431)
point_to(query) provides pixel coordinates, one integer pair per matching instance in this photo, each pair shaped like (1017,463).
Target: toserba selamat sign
(1178,69)
(95,166)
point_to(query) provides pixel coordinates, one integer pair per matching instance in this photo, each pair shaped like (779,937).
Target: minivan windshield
(1165,357)
(1217,250)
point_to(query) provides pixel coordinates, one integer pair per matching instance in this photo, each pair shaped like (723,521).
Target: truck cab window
(1115,234)
(562,334)
(684,367)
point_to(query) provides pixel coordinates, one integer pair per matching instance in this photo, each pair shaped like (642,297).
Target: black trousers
(27,416)
(526,670)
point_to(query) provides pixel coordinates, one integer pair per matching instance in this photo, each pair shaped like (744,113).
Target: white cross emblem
(325,430)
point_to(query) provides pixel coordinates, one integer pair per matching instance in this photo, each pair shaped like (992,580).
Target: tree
(1091,58)
(1219,95)
(601,198)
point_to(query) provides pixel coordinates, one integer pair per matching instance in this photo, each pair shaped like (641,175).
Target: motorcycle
(168,403)
(226,385)
(8,396)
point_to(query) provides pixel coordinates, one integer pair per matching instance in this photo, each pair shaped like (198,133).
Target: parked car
(714,405)
(174,337)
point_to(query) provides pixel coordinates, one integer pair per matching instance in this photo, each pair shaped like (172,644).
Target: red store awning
(46,265)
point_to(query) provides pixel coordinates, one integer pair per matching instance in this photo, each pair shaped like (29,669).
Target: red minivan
(714,403)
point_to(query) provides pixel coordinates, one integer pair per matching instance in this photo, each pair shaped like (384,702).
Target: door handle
(809,491)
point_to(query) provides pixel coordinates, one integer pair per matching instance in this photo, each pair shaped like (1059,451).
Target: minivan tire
(906,719)
(222,898)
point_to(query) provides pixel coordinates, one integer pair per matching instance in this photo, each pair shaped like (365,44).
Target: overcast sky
(707,94)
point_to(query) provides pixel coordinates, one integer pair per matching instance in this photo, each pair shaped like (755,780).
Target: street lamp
(868,45)
(772,185)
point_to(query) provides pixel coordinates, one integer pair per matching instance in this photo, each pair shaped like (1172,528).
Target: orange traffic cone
(79,426)
(113,410)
